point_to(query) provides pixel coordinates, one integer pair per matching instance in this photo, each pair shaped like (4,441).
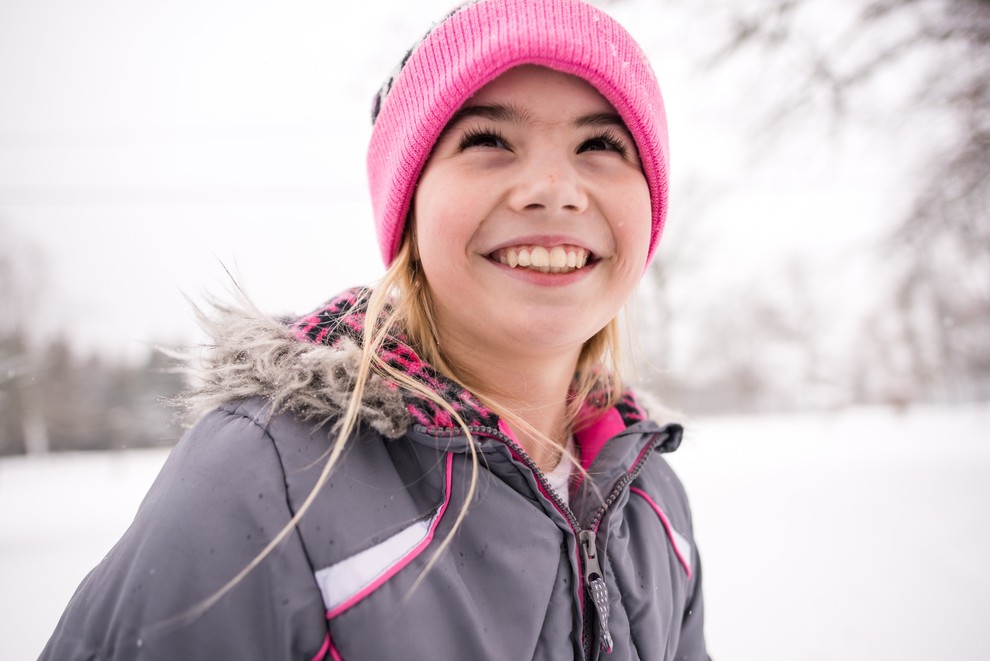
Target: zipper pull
(594,581)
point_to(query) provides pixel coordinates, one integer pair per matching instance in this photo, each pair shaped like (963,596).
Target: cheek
(633,221)
(442,239)
(440,235)
(449,210)
(429,211)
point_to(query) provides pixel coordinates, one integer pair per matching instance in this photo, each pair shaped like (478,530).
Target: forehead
(540,87)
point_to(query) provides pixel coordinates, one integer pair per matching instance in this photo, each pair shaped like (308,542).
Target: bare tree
(50,398)
(932,339)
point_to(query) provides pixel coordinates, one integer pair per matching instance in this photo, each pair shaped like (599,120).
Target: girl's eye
(606,141)
(486,139)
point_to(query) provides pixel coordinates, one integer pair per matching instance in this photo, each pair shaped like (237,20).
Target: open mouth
(556,259)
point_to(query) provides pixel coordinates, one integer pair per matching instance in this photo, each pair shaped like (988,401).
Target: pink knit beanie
(475,44)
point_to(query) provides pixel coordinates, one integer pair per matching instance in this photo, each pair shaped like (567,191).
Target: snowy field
(854,536)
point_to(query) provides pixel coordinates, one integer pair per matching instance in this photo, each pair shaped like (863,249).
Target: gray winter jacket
(614,576)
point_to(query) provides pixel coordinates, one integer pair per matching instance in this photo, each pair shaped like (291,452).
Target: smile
(556,259)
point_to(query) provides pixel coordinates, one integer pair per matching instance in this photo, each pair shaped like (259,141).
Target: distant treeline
(54,400)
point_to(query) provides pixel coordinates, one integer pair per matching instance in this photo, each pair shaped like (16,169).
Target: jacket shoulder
(661,481)
(660,495)
(162,591)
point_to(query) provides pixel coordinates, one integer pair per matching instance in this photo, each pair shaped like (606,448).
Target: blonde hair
(597,369)
(401,306)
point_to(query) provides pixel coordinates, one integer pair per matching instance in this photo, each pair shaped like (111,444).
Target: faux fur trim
(308,366)
(252,355)
(342,320)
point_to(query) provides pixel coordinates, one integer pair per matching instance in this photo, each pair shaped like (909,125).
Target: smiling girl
(446,466)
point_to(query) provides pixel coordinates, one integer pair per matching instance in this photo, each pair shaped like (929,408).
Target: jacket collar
(341,321)
(307,366)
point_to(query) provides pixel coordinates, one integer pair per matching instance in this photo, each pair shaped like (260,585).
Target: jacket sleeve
(691,645)
(690,642)
(220,498)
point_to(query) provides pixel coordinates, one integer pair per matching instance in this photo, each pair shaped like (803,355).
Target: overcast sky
(147,147)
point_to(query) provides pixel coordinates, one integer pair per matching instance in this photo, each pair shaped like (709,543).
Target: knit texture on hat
(474,45)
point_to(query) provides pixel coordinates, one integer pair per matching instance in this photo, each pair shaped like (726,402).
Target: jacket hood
(308,366)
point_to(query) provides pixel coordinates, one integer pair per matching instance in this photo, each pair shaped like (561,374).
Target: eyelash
(478,137)
(474,138)
(610,138)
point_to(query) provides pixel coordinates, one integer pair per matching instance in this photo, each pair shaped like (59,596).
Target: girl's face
(532,217)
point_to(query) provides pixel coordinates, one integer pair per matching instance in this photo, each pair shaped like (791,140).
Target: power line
(61,196)
(51,138)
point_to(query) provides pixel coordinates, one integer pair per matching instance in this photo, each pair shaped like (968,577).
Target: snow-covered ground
(852,536)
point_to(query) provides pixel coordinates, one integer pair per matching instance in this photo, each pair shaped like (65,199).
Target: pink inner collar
(592,437)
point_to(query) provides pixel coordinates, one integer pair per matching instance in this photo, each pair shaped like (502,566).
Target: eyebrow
(599,119)
(496,112)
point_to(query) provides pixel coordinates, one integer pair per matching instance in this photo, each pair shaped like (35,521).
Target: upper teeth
(558,259)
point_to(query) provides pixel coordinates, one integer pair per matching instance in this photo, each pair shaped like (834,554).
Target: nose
(548,184)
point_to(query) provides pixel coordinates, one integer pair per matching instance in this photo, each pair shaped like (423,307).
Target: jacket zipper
(594,581)
(593,576)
